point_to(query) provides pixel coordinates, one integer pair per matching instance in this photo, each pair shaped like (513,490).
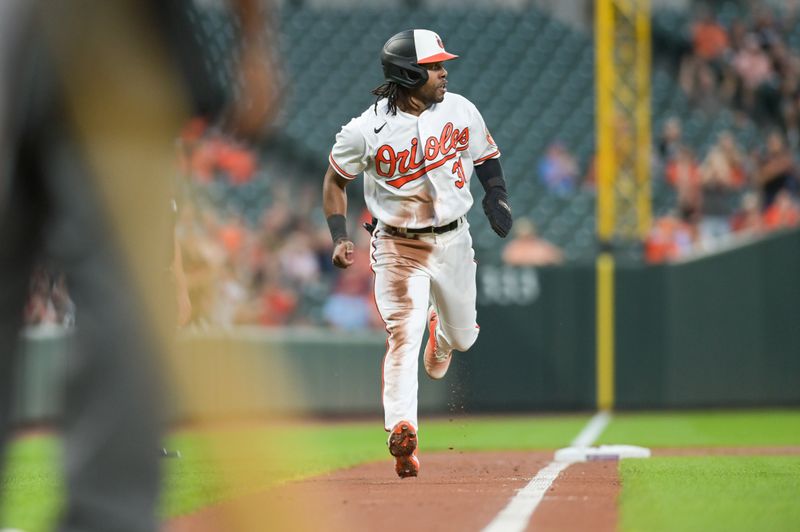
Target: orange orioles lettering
(447,145)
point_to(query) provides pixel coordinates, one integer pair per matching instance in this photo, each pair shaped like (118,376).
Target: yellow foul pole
(622,70)
(606,170)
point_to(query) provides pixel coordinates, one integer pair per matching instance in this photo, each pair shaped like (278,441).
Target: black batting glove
(495,202)
(497,210)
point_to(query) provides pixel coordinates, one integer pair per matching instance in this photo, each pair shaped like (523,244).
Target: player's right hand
(343,253)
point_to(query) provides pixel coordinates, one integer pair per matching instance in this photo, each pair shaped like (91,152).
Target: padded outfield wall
(722,330)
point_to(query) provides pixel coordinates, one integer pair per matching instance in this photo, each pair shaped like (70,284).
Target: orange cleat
(403,446)
(436,362)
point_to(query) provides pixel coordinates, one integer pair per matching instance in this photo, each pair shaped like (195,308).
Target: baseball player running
(418,147)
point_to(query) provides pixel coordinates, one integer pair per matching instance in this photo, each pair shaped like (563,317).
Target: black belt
(402,231)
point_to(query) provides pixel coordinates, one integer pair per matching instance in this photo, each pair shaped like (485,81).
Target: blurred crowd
(268,266)
(724,193)
(275,271)
(746,64)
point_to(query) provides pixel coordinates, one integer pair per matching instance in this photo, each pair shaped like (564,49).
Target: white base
(603,452)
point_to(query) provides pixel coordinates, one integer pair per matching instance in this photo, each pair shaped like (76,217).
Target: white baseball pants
(410,274)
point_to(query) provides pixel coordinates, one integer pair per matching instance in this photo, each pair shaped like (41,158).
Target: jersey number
(458,169)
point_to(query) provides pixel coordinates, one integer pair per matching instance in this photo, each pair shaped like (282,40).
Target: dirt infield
(583,497)
(455,491)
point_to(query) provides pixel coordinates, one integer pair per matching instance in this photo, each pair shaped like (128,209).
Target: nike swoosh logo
(378,129)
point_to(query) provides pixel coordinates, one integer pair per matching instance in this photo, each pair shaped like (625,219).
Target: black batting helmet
(404,52)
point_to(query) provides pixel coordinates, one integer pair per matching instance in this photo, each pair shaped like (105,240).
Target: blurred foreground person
(89,105)
(83,184)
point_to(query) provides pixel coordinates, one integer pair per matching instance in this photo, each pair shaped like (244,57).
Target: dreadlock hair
(391,91)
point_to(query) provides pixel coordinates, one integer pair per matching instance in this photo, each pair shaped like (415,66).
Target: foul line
(592,430)
(517,514)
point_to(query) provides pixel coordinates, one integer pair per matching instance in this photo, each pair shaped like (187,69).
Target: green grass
(706,429)
(710,493)
(33,484)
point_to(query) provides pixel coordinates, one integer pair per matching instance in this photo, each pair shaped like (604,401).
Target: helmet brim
(437,58)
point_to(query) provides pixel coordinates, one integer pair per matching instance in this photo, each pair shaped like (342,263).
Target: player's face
(434,89)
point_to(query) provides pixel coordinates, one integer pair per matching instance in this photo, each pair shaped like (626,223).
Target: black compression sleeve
(337,224)
(490,174)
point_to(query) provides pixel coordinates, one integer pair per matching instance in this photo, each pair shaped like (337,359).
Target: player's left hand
(495,205)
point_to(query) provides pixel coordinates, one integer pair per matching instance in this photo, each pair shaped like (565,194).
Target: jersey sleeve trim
(339,168)
(492,155)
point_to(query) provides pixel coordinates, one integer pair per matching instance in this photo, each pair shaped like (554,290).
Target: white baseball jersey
(416,169)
